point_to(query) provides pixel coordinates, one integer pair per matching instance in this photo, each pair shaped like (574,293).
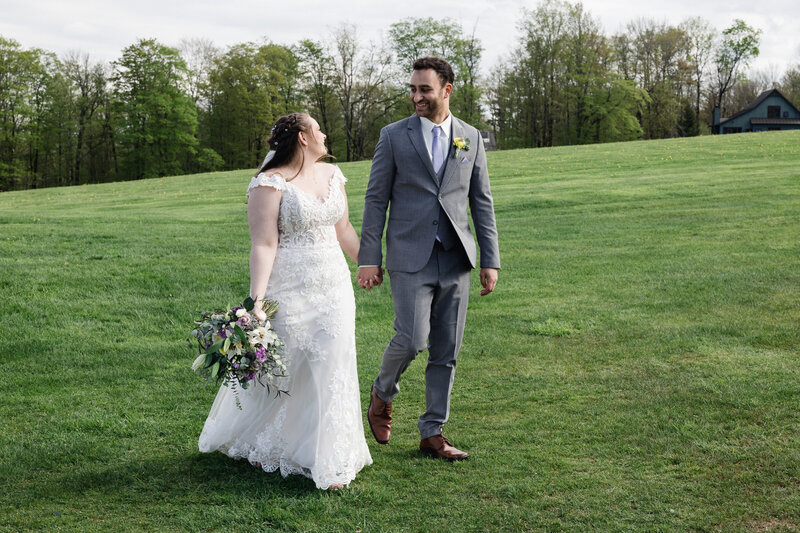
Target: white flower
(255,337)
(240,312)
(199,362)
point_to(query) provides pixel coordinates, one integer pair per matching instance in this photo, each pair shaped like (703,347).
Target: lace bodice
(304,219)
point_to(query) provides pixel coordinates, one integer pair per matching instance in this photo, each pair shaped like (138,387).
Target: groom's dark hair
(442,68)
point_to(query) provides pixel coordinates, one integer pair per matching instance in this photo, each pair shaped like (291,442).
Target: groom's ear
(448,89)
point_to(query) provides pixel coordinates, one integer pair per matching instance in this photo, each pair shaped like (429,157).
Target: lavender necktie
(435,151)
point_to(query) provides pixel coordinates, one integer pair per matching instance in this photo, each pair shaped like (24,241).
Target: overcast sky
(104,27)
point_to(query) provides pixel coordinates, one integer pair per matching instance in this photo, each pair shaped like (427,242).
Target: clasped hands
(369,276)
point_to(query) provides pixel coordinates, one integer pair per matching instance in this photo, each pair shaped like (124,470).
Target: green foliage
(611,112)
(558,88)
(317,68)
(208,160)
(413,38)
(157,121)
(24,84)
(738,47)
(790,85)
(636,369)
(687,123)
(249,87)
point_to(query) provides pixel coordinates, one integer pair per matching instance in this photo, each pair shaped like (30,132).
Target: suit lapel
(415,134)
(452,163)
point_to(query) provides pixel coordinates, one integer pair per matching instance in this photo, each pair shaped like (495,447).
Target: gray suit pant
(430,308)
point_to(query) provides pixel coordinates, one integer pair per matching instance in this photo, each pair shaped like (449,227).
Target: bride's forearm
(349,242)
(262,257)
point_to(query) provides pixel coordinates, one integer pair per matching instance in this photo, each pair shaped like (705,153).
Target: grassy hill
(637,369)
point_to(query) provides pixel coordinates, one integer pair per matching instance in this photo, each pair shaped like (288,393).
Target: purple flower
(250,376)
(261,354)
(244,320)
(235,365)
(223,333)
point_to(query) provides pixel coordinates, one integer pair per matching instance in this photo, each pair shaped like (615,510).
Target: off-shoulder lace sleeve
(262,180)
(338,177)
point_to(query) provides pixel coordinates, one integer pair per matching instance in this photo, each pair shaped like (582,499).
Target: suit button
(435,222)
(440,197)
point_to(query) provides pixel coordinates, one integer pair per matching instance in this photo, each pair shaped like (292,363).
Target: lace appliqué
(262,180)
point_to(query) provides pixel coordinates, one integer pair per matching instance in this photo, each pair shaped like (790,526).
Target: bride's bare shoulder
(277,171)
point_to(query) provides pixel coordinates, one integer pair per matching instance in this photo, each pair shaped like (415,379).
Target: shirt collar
(427,124)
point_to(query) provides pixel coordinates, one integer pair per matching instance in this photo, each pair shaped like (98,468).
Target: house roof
(755,103)
(776,121)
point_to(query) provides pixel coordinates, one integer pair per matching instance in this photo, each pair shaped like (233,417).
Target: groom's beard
(429,110)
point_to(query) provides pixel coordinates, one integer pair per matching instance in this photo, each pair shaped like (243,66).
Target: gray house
(489,142)
(770,111)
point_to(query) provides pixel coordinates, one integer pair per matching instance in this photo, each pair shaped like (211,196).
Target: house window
(773,111)
(731,129)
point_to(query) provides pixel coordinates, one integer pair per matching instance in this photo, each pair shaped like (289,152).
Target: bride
(298,217)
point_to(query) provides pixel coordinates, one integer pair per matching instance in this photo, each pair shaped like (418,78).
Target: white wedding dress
(316,430)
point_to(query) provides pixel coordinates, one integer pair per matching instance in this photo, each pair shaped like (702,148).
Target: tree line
(160,110)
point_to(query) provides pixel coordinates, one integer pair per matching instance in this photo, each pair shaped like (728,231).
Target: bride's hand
(259,313)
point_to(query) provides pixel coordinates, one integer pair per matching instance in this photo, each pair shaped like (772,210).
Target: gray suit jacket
(402,175)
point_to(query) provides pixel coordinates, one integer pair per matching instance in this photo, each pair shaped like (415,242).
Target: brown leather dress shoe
(379,416)
(439,446)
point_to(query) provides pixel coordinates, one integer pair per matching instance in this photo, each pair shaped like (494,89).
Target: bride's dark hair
(284,140)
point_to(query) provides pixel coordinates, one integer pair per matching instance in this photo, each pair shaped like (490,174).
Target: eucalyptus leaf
(214,348)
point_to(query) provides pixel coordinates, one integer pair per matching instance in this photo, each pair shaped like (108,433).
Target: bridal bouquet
(233,347)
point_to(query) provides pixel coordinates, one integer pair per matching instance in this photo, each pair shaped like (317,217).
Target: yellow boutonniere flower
(460,143)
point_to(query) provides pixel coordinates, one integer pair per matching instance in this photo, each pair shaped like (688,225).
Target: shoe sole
(369,423)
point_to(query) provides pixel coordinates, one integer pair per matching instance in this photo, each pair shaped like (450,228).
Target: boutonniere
(461,144)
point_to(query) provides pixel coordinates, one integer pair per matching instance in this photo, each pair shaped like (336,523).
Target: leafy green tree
(317,69)
(87,94)
(652,54)
(24,84)
(413,38)
(157,120)
(790,85)
(249,86)
(739,45)
(559,87)
(688,125)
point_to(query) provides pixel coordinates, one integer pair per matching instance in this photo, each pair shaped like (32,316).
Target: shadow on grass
(200,474)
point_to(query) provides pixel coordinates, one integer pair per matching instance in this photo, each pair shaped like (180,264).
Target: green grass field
(637,369)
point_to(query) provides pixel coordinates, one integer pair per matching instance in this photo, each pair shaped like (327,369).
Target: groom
(427,168)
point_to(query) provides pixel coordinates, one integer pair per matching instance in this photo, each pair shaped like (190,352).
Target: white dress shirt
(444,137)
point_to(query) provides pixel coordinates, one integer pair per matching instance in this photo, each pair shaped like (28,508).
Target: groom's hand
(369,276)
(488,280)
